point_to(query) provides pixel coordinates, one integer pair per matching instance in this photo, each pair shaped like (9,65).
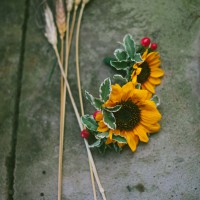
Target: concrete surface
(11,20)
(166,168)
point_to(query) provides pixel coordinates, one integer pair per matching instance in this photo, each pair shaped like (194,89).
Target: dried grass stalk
(85,1)
(69,4)
(60,18)
(50,29)
(51,34)
(77,2)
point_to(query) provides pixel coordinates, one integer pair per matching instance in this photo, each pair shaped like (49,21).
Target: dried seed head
(50,29)
(60,17)
(77,2)
(69,4)
(85,1)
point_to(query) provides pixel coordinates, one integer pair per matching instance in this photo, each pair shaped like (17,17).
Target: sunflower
(137,117)
(148,72)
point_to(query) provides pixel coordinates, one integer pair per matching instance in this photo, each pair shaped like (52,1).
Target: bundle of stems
(65,31)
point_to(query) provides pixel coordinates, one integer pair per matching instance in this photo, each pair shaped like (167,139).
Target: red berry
(145,41)
(95,113)
(85,134)
(154,46)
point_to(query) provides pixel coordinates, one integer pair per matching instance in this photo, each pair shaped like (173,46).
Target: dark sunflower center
(144,74)
(128,116)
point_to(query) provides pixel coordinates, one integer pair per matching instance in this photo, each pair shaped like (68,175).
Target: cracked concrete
(165,168)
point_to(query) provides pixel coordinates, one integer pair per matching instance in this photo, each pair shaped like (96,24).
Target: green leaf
(116,147)
(89,97)
(156,100)
(119,139)
(102,135)
(113,109)
(97,103)
(102,148)
(129,45)
(121,55)
(107,60)
(95,144)
(120,79)
(128,73)
(109,119)
(137,58)
(89,122)
(105,89)
(119,65)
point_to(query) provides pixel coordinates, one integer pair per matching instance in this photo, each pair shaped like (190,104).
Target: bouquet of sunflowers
(126,109)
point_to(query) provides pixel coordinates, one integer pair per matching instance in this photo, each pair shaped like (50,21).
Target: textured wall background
(165,168)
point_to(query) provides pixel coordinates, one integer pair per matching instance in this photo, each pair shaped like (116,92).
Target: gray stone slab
(166,167)
(11,19)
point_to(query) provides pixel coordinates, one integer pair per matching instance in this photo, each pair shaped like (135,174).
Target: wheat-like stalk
(51,34)
(79,89)
(77,2)
(60,18)
(61,24)
(69,45)
(50,29)
(69,4)
(85,1)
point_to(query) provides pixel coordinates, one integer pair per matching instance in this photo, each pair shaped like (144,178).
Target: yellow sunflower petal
(147,85)
(139,95)
(111,133)
(115,96)
(108,141)
(144,55)
(155,62)
(151,128)
(152,56)
(150,117)
(102,127)
(122,133)
(154,81)
(134,77)
(157,72)
(127,91)
(117,132)
(132,140)
(141,133)
(99,117)
(153,66)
